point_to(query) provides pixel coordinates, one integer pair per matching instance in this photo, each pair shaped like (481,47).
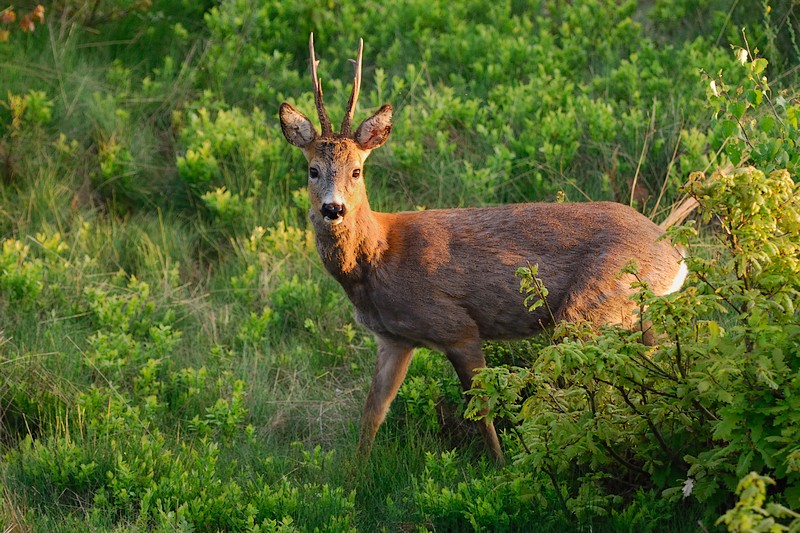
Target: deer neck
(351,249)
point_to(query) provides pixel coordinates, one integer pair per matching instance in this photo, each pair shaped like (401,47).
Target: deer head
(336,160)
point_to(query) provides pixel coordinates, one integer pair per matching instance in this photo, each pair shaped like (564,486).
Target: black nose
(332,211)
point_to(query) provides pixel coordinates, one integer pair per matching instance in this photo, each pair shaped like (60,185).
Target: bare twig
(648,133)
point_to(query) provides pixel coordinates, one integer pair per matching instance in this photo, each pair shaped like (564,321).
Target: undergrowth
(174,357)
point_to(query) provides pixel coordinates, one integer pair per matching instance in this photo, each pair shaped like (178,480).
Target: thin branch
(661,442)
(650,389)
(727,20)
(647,364)
(650,129)
(666,177)
(621,460)
(744,133)
(724,298)
(636,383)
(709,414)
(554,481)
(521,439)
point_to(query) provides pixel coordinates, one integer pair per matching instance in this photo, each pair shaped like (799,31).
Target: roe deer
(445,278)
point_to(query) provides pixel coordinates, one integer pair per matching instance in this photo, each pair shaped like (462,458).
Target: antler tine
(324,121)
(347,122)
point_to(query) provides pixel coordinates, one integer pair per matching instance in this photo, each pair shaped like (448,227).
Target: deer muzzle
(333,213)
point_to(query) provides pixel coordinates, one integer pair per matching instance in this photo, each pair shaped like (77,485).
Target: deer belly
(509,321)
(372,322)
(367,313)
(434,318)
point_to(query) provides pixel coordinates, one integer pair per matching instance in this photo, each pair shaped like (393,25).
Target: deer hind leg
(394,357)
(467,358)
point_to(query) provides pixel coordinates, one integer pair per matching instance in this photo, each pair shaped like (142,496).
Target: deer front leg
(394,357)
(467,358)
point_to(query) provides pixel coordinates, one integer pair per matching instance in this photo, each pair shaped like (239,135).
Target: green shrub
(234,162)
(599,413)
(168,330)
(451,499)
(750,514)
(429,391)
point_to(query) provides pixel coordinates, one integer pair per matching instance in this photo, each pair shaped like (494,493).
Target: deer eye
(313,173)
(356,173)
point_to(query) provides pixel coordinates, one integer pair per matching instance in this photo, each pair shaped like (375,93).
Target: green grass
(167,314)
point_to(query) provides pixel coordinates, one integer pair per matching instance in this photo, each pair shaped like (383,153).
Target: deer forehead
(337,153)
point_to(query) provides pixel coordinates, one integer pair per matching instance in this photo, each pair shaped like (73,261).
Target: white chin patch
(333,221)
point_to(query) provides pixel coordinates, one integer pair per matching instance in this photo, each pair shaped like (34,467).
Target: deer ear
(374,131)
(297,129)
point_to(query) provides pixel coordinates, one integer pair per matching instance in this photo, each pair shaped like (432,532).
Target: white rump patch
(680,277)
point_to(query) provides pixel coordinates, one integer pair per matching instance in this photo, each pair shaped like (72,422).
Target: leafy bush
(450,500)
(601,413)
(749,514)
(429,392)
(234,162)
(524,109)
(168,332)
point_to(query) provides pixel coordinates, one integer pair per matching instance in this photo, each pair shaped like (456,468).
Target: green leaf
(755,97)
(745,460)
(725,427)
(734,151)
(766,123)
(759,65)
(737,109)
(729,128)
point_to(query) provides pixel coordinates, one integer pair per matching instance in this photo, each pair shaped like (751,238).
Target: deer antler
(324,121)
(347,122)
